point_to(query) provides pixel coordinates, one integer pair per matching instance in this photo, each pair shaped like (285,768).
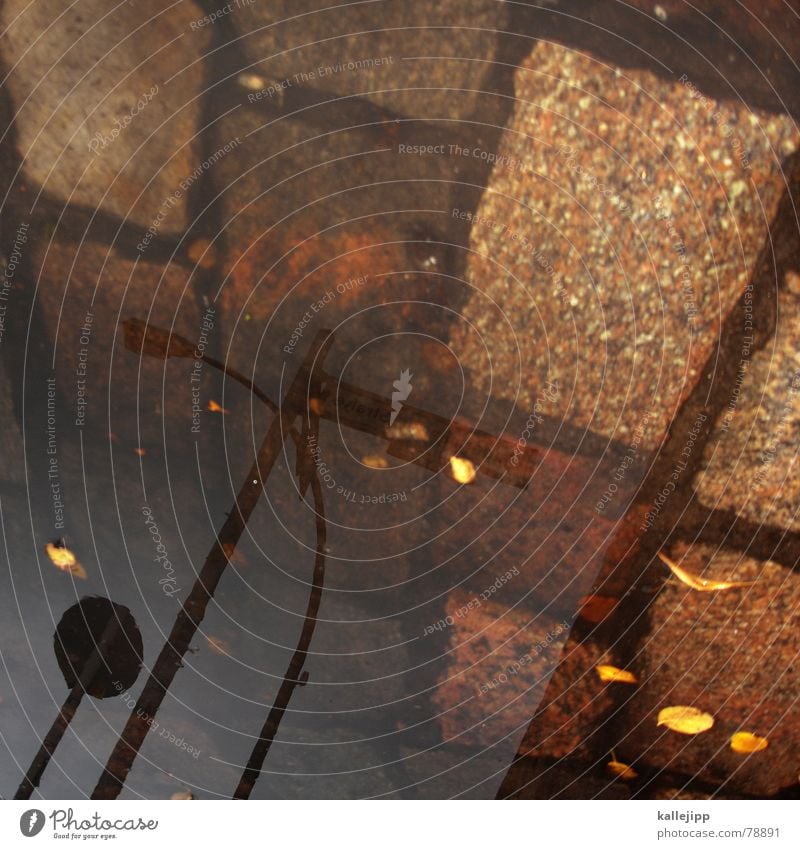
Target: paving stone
(614,239)
(731,653)
(92,366)
(743,53)
(501,661)
(750,462)
(104,97)
(395,48)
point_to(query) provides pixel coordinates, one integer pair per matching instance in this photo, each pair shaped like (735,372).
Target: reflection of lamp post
(292,677)
(99,651)
(144,339)
(416,436)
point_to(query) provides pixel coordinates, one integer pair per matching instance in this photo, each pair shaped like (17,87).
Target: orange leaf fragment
(621,770)
(62,558)
(218,645)
(745,743)
(701,584)
(613,674)
(463,471)
(375,461)
(413,431)
(214,407)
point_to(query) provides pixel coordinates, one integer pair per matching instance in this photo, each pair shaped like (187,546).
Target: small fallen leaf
(413,431)
(745,743)
(182,795)
(218,646)
(214,407)
(463,471)
(375,461)
(316,405)
(62,558)
(697,583)
(140,452)
(252,81)
(621,770)
(685,720)
(618,676)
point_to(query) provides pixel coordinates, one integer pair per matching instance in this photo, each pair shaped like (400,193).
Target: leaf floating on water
(214,407)
(621,770)
(697,583)
(685,720)
(62,558)
(252,81)
(139,452)
(463,471)
(375,461)
(218,646)
(745,743)
(413,431)
(616,675)
(182,795)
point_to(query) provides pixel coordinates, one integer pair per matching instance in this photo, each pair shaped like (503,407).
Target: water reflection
(99,651)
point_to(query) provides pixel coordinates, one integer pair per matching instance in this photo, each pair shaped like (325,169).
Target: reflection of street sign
(31,822)
(414,435)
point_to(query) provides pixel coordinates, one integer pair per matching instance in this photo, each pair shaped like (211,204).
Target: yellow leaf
(618,676)
(375,461)
(252,81)
(685,720)
(412,431)
(63,559)
(463,471)
(701,584)
(214,407)
(623,771)
(744,743)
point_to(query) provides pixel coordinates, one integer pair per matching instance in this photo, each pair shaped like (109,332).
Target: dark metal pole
(53,737)
(191,614)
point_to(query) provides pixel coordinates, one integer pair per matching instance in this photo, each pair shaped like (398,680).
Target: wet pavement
(474,309)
